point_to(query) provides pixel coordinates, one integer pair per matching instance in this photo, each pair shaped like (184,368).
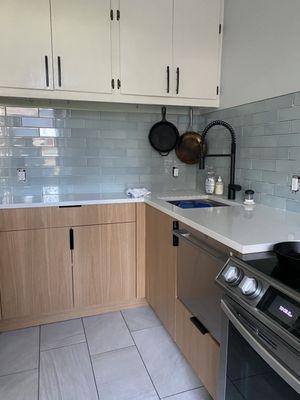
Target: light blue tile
(292,205)
(22,111)
(37,122)
(22,132)
(289,114)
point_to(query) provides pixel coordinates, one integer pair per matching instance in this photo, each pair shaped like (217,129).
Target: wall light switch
(175,172)
(21,174)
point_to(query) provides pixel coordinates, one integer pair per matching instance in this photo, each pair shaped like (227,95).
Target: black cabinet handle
(71,232)
(74,206)
(195,321)
(177,80)
(168,79)
(47,71)
(59,70)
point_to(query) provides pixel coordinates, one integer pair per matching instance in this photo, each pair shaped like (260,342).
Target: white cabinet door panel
(25,41)
(145,46)
(82,39)
(197,47)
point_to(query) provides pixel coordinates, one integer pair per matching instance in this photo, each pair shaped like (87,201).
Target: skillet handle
(163,112)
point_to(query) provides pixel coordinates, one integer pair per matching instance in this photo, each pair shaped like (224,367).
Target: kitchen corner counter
(246,229)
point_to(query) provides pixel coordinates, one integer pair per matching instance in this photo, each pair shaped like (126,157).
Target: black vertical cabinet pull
(201,328)
(168,79)
(47,71)
(59,70)
(175,238)
(177,80)
(71,239)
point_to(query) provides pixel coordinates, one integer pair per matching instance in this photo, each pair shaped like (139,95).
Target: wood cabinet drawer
(46,217)
(202,351)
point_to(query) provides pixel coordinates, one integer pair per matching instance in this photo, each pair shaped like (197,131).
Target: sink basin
(197,203)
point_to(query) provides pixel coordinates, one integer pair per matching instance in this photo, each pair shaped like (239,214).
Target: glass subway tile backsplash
(84,151)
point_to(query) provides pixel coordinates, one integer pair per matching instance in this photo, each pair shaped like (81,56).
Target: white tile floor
(124,355)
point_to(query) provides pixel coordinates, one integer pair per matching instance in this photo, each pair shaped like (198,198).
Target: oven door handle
(285,374)
(194,241)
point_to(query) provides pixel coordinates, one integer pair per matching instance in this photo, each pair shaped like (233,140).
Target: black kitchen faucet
(232,187)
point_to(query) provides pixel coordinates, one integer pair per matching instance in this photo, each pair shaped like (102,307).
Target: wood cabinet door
(145,46)
(35,272)
(196,48)
(161,257)
(202,351)
(104,264)
(25,44)
(81,31)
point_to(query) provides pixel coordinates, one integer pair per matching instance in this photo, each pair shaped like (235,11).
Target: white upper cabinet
(146,47)
(25,44)
(196,48)
(81,34)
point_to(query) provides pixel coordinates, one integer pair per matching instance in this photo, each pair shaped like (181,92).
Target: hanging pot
(163,136)
(190,144)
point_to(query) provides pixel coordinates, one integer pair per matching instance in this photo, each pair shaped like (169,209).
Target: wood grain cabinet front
(161,258)
(35,272)
(202,351)
(104,264)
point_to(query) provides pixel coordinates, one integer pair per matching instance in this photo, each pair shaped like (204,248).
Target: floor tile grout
(19,372)
(111,351)
(61,347)
(140,355)
(185,391)
(90,358)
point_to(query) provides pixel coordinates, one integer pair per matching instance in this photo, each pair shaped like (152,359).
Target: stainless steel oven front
(260,346)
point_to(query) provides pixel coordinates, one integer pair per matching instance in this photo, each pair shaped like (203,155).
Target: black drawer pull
(70,206)
(59,70)
(71,232)
(195,321)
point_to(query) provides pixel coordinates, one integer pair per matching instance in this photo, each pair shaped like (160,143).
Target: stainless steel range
(260,345)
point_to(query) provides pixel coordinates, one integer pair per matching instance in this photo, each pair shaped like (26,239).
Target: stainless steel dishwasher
(198,264)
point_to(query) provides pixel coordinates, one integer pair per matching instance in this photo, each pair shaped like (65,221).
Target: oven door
(255,363)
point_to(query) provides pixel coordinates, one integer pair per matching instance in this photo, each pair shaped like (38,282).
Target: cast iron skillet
(163,136)
(288,254)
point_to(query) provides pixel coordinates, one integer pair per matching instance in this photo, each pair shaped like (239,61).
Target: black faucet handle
(236,188)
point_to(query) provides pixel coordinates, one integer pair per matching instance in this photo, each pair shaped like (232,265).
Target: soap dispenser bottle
(210,182)
(219,186)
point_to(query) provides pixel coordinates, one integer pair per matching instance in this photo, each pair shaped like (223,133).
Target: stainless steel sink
(197,203)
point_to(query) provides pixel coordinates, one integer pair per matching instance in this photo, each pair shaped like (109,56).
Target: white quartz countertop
(246,229)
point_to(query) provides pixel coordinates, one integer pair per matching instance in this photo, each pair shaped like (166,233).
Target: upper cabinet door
(25,44)
(146,47)
(81,32)
(196,48)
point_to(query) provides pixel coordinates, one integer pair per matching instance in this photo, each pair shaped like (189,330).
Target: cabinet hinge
(71,239)
(118,83)
(218,90)
(113,83)
(220,29)
(175,238)
(118,15)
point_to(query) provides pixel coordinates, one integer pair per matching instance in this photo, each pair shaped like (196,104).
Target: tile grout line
(185,391)
(88,348)
(39,363)
(19,372)
(140,355)
(111,351)
(62,347)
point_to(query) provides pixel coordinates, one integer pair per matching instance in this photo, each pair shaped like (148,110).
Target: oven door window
(249,377)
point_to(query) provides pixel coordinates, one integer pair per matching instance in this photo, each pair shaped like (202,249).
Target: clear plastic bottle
(219,186)
(210,181)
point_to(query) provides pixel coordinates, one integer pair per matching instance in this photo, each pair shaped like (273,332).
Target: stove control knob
(232,274)
(250,287)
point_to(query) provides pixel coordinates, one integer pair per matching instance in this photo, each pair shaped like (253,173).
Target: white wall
(261,50)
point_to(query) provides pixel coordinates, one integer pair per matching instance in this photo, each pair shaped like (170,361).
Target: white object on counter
(137,193)
(219,186)
(210,182)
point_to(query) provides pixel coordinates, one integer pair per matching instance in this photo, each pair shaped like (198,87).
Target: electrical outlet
(21,174)
(295,183)
(175,172)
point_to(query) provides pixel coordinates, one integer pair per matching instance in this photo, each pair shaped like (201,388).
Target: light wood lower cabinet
(202,351)
(161,258)
(35,272)
(104,264)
